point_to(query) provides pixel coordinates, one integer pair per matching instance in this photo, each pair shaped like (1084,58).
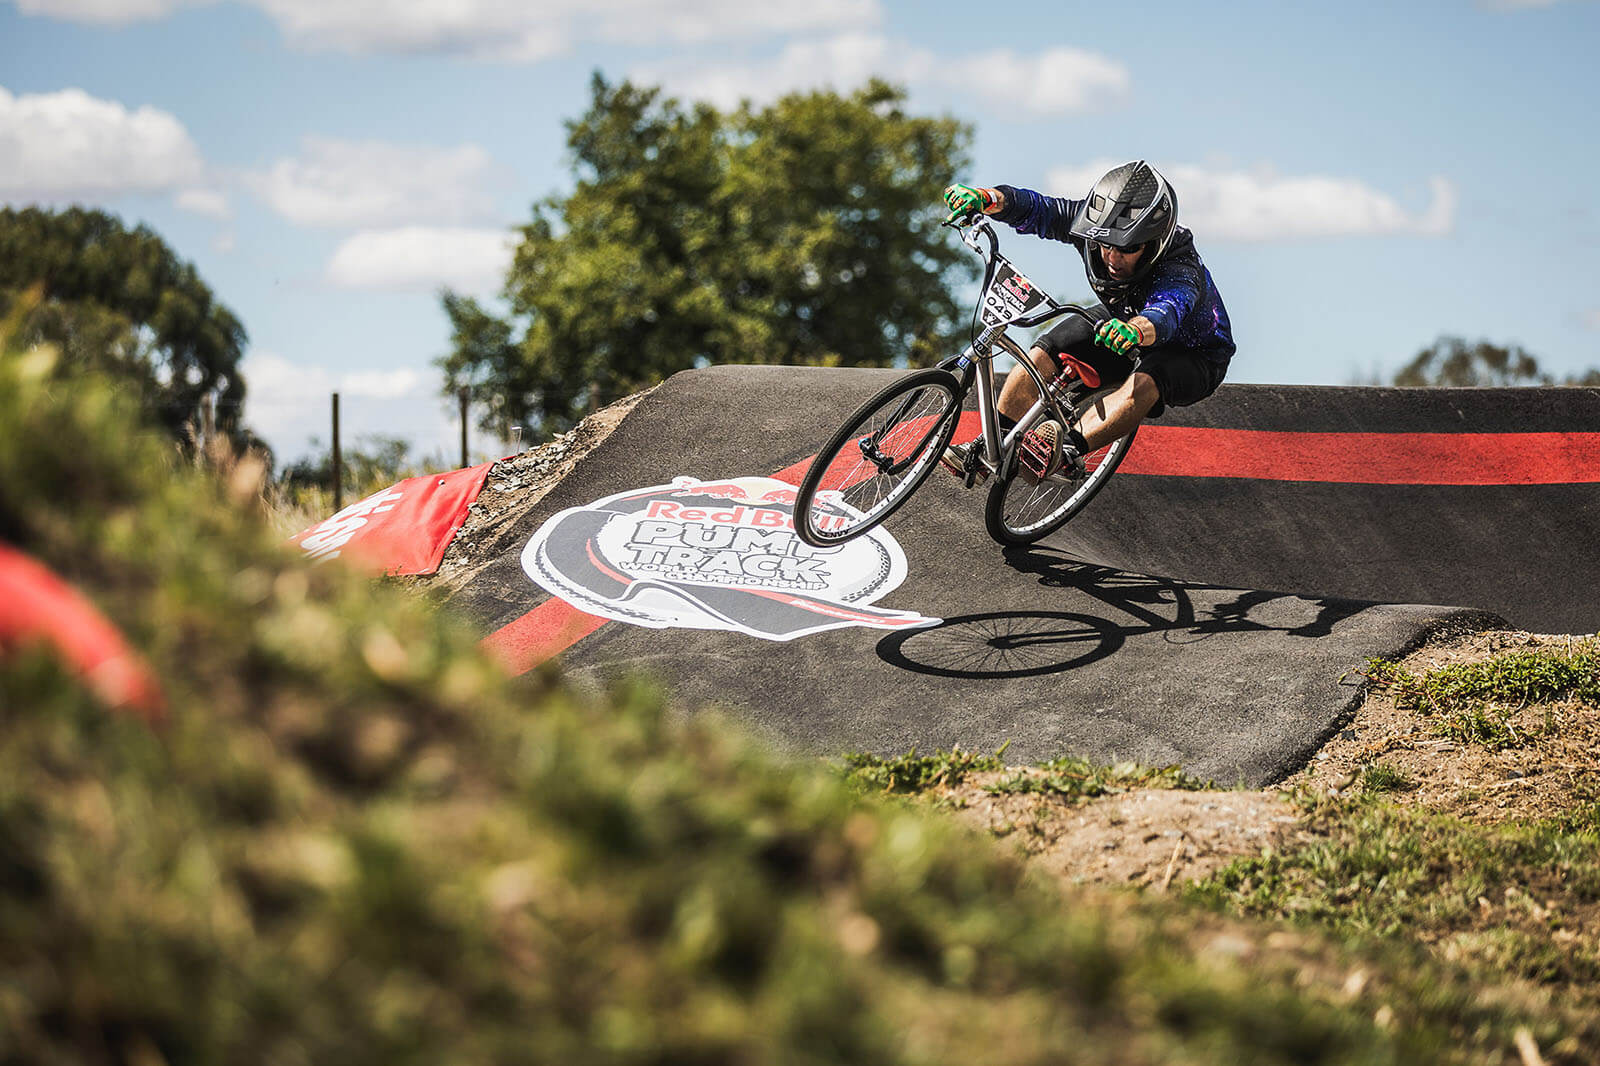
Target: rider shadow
(1008,644)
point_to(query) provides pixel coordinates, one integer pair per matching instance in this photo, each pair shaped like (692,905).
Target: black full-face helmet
(1131,205)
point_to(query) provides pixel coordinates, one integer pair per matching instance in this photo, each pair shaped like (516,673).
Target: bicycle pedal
(1040,452)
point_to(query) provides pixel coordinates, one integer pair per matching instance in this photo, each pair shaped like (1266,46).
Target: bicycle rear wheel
(1022,509)
(878,458)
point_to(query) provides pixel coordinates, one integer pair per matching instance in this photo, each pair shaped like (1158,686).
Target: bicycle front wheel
(878,458)
(1022,509)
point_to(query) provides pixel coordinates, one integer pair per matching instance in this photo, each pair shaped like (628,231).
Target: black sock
(1007,423)
(1075,439)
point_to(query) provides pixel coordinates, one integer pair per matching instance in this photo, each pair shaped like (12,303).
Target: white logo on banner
(327,538)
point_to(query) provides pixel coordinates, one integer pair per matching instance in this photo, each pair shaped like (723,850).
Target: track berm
(1212,608)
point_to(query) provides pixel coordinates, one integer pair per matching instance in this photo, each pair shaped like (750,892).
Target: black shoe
(954,460)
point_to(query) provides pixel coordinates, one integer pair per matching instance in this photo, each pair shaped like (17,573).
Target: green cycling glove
(1117,335)
(964,200)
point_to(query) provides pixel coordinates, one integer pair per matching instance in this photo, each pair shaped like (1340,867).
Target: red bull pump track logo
(715,555)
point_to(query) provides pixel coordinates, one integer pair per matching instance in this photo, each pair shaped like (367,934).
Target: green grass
(1067,778)
(1475,703)
(912,773)
(1076,779)
(1381,777)
(1508,901)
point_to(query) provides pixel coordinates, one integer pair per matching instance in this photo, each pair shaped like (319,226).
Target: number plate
(1010,297)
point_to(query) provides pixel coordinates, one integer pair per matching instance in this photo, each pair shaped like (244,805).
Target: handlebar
(975,225)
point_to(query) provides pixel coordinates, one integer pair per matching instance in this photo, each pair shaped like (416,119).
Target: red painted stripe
(966,429)
(541,634)
(588,549)
(793,474)
(1367,458)
(1184,451)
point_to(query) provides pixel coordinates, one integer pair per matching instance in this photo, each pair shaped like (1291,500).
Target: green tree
(1453,361)
(804,232)
(120,300)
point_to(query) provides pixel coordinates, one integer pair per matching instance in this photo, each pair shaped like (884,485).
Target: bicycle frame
(1006,299)
(891,444)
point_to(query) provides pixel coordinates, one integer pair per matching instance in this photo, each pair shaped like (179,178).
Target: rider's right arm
(1032,212)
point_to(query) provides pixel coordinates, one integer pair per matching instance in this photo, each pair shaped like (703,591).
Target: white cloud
(500,30)
(382,384)
(646,21)
(516,31)
(1590,318)
(371,183)
(68,145)
(110,12)
(421,258)
(1054,82)
(289,403)
(1263,205)
(205,201)
(276,382)
(841,63)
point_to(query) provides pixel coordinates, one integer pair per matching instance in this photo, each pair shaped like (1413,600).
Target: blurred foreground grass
(352,841)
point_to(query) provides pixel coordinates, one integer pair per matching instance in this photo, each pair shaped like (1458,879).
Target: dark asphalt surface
(1068,648)
(1525,552)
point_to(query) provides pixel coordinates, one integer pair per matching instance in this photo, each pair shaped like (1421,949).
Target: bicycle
(893,442)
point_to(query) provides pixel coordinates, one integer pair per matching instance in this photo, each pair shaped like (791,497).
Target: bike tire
(1022,510)
(908,425)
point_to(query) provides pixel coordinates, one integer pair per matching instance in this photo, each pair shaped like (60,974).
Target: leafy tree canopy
(1452,361)
(120,300)
(804,232)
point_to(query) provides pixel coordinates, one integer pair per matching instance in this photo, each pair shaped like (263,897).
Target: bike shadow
(1009,644)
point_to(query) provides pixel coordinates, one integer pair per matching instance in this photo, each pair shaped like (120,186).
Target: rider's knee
(1142,388)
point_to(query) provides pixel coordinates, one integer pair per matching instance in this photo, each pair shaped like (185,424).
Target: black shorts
(1182,375)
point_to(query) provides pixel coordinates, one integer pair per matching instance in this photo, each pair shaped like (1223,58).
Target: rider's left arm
(1030,212)
(1175,291)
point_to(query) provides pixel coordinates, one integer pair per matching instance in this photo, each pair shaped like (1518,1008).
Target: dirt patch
(1146,837)
(514,487)
(1551,771)
(1163,837)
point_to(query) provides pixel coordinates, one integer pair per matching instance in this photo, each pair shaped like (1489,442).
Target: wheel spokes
(1030,503)
(887,449)
(879,460)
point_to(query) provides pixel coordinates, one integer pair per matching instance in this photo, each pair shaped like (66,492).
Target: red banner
(37,607)
(404,529)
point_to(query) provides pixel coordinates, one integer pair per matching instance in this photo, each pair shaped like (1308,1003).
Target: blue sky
(1360,177)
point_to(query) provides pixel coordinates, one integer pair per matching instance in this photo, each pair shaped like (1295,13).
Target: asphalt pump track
(1213,608)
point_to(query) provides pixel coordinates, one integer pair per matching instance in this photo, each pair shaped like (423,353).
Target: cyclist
(1160,328)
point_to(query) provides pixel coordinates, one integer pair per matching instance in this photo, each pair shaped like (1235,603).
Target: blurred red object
(37,607)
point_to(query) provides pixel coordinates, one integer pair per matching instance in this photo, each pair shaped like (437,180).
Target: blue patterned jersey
(1177,294)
